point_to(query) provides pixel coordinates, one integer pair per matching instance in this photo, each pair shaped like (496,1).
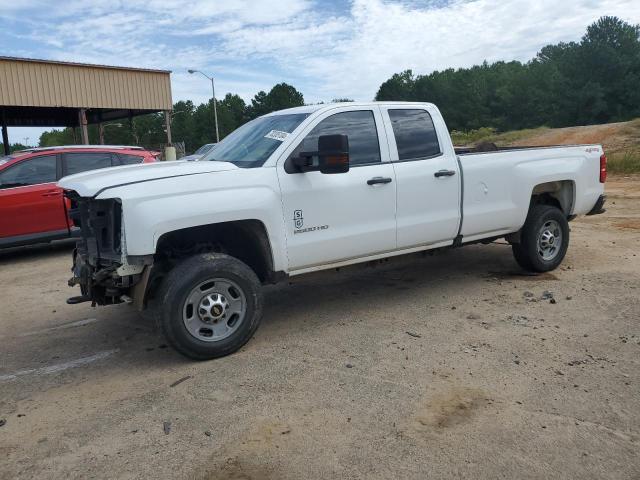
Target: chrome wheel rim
(549,240)
(214,309)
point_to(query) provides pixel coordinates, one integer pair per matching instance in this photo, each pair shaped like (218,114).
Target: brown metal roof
(43,83)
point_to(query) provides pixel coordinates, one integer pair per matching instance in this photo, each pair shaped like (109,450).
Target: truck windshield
(251,145)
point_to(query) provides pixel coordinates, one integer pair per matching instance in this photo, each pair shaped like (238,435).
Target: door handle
(444,173)
(376,180)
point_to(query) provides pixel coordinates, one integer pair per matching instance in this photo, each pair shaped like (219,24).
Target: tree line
(595,80)
(13,147)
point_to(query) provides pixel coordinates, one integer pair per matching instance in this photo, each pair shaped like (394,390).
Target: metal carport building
(43,93)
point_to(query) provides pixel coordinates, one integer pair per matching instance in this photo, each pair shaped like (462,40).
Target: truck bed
(492,147)
(496,188)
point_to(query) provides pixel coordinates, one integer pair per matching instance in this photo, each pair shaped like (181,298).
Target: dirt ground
(617,137)
(447,366)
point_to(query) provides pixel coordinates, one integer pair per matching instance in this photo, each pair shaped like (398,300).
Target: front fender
(154,208)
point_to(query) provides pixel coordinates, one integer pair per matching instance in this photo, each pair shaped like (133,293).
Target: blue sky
(326,49)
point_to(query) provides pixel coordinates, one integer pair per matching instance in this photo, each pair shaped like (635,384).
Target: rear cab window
(77,162)
(128,159)
(415,134)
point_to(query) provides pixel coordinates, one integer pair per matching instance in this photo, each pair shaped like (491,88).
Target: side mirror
(332,156)
(333,153)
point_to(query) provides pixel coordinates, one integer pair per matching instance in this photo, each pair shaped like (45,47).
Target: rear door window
(128,159)
(33,171)
(415,134)
(84,161)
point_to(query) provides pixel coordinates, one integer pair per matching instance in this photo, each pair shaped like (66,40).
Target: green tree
(54,138)
(399,87)
(279,97)
(595,80)
(13,147)
(610,55)
(232,112)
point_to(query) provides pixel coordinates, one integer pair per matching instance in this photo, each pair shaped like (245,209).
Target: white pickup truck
(307,189)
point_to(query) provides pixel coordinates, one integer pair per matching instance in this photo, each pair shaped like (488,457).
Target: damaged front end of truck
(105,274)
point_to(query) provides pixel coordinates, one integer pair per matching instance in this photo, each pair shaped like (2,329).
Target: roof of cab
(314,108)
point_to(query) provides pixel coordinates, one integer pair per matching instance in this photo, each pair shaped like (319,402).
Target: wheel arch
(247,240)
(559,193)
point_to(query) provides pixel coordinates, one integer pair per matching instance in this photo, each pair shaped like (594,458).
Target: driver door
(30,201)
(331,218)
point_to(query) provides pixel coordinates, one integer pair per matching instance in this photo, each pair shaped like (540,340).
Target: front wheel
(209,306)
(544,239)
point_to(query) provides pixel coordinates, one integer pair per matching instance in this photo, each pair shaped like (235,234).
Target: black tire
(169,305)
(527,252)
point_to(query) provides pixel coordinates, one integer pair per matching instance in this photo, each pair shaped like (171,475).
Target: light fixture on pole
(101,129)
(213,91)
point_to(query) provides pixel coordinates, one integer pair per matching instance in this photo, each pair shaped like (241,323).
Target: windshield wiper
(220,160)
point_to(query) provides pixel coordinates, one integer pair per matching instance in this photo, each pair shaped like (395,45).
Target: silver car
(201,152)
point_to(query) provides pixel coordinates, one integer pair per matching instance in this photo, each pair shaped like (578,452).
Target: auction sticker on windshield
(277,135)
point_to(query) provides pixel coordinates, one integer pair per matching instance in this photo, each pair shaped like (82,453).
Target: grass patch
(632,128)
(489,134)
(507,138)
(473,136)
(627,162)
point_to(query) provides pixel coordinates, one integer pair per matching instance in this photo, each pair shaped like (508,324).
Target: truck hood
(91,183)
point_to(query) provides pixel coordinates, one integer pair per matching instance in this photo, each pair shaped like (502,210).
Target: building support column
(101,133)
(169,150)
(167,122)
(82,120)
(136,140)
(5,135)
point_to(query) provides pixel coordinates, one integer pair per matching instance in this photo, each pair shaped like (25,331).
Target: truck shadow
(349,295)
(312,300)
(336,296)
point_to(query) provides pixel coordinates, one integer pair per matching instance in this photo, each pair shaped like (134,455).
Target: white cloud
(326,50)
(351,57)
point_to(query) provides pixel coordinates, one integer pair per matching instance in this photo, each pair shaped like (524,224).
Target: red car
(32,207)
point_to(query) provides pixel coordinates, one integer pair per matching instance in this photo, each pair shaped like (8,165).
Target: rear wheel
(544,239)
(209,306)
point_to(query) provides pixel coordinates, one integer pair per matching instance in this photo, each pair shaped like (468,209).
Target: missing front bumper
(98,283)
(104,282)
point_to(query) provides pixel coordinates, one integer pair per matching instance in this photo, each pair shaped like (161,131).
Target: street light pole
(215,109)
